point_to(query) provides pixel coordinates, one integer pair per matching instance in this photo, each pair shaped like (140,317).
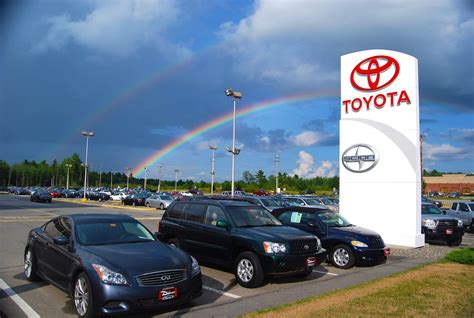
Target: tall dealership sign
(380,172)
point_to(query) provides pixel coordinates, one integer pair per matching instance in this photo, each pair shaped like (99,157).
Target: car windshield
(327,201)
(166,198)
(333,219)
(430,209)
(244,216)
(108,233)
(312,201)
(270,202)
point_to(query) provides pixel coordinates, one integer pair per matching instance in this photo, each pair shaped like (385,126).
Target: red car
(262,192)
(55,194)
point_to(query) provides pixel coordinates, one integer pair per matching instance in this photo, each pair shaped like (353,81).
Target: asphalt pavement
(222,296)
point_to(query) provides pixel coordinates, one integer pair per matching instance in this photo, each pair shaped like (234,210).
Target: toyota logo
(165,277)
(360,158)
(367,75)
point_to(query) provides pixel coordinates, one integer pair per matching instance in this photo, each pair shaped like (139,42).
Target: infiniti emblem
(306,247)
(165,277)
(360,158)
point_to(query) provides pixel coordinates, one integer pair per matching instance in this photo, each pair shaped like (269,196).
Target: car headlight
(195,269)
(459,222)
(358,244)
(108,276)
(271,247)
(320,246)
(429,223)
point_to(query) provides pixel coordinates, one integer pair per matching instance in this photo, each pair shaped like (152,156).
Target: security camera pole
(213,172)
(235,95)
(87,134)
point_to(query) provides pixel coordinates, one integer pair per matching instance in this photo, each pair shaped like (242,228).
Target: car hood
(137,258)
(352,231)
(437,217)
(274,233)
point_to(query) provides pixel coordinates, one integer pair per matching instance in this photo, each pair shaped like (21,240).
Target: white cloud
(297,44)
(116,28)
(306,138)
(306,168)
(445,152)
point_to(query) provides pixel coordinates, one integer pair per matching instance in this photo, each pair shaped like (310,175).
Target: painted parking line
(321,272)
(29,312)
(218,291)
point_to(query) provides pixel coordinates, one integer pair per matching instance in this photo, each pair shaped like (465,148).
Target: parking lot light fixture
(235,95)
(159,176)
(176,171)
(144,182)
(68,166)
(87,134)
(213,171)
(128,176)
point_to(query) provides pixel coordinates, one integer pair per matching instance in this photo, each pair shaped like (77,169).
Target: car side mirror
(61,240)
(223,224)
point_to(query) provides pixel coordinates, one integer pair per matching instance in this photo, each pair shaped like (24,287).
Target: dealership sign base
(380,171)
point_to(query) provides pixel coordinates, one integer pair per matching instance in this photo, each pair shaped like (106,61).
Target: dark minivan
(241,236)
(346,243)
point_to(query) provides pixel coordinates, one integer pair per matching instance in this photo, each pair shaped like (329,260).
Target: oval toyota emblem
(165,277)
(360,158)
(367,75)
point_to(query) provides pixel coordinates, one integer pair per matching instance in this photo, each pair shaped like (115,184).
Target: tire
(123,203)
(100,199)
(29,268)
(82,297)
(174,242)
(248,271)
(455,242)
(147,205)
(342,256)
(134,204)
(162,207)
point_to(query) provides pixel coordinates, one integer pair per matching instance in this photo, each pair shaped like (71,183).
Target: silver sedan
(159,201)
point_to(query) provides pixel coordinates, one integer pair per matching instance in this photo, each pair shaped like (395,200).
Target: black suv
(241,236)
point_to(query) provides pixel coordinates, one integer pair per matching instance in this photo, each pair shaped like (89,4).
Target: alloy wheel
(245,270)
(28,264)
(81,296)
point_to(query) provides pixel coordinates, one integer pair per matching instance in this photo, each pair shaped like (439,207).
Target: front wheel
(342,256)
(83,297)
(147,205)
(248,270)
(162,207)
(29,266)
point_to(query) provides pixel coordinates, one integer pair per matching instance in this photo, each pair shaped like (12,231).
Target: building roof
(450,178)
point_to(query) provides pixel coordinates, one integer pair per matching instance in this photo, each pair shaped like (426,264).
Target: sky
(143,74)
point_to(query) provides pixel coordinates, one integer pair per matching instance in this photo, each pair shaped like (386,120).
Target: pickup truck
(463,210)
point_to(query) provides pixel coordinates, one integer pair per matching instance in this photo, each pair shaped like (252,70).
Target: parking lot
(222,296)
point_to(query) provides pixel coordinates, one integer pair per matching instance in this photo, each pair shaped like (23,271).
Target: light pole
(111,187)
(235,95)
(68,166)
(176,171)
(128,176)
(213,171)
(277,160)
(87,134)
(159,176)
(100,179)
(144,183)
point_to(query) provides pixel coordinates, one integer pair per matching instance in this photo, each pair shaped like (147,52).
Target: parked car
(88,256)
(303,201)
(463,210)
(439,204)
(159,201)
(241,236)
(267,203)
(345,243)
(41,196)
(262,192)
(454,195)
(99,196)
(55,193)
(327,203)
(136,199)
(437,226)
(118,196)
(22,191)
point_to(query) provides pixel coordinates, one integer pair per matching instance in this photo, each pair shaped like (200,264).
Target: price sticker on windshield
(296,217)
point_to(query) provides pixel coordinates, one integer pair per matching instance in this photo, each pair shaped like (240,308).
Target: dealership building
(450,183)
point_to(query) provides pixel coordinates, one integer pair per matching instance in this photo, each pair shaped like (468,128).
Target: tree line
(55,174)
